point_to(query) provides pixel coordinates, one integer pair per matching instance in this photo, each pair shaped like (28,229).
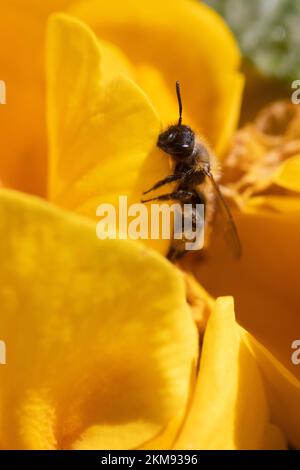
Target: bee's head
(178,140)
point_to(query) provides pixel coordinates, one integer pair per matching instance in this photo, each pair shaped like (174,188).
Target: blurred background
(268,32)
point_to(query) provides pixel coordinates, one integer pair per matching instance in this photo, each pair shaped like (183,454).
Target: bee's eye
(171,136)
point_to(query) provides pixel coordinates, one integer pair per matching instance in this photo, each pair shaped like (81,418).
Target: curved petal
(102,128)
(212,98)
(283,391)
(23,160)
(277,204)
(288,174)
(101,345)
(265,281)
(229,409)
(178,39)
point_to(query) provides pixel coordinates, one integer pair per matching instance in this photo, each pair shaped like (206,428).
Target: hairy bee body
(196,182)
(195,171)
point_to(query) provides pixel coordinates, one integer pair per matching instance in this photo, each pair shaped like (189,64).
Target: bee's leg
(180,195)
(168,179)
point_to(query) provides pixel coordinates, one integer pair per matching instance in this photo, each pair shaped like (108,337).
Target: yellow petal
(288,174)
(277,204)
(163,98)
(180,40)
(229,408)
(211,97)
(22,120)
(283,391)
(265,281)
(102,130)
(97,130)
(228,116)
(166,439)
(101,346)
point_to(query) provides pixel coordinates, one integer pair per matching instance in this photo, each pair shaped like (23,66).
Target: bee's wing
(231,233)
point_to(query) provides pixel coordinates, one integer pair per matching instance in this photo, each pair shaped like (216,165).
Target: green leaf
(268,32)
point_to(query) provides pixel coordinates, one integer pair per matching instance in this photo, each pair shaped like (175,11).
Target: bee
(192,171)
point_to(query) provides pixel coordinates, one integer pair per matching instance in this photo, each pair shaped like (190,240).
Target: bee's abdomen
(190,211)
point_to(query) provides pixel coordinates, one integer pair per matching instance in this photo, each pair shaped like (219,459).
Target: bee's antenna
(179,102)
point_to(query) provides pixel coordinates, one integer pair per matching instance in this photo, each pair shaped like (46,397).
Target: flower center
(259,148)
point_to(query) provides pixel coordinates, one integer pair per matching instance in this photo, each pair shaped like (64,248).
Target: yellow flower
(108,336)
(151,42)
(22,119)
(101,345)
(100,357)
(87,187)
(262,171)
